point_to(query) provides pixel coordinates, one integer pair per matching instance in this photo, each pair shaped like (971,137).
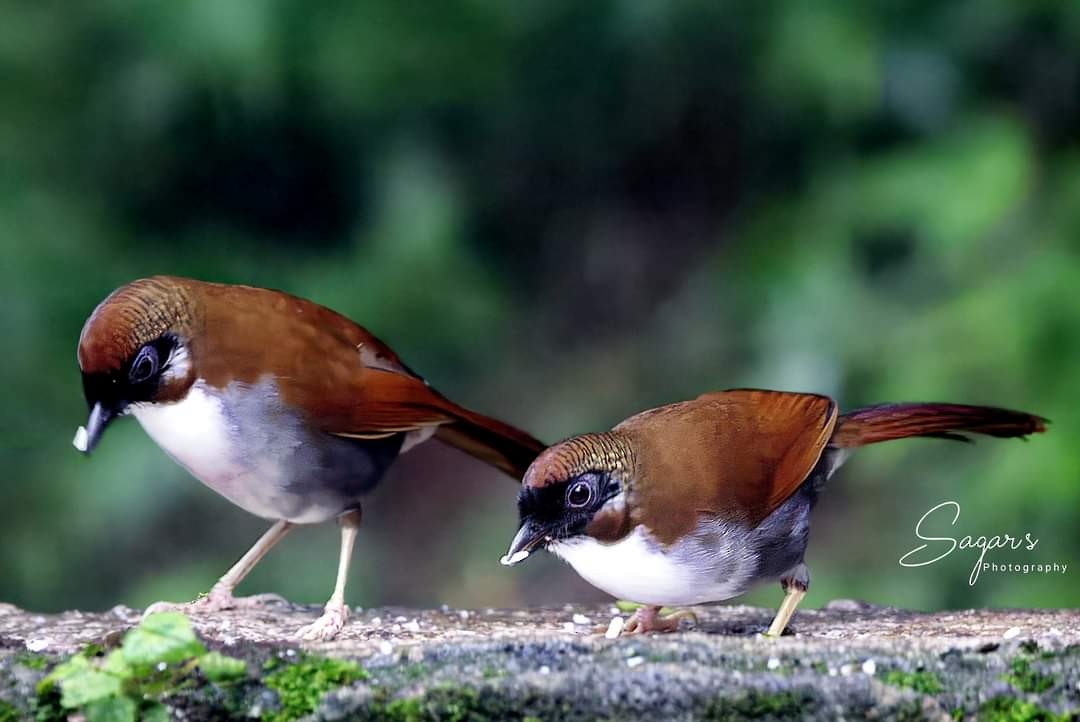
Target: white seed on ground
(773,663)
(635,661)
(614,628)
(581,619)
(1011,632)
(869,667)
(37,645)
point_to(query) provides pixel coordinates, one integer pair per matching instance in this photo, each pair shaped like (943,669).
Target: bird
(289,410)
(697,501)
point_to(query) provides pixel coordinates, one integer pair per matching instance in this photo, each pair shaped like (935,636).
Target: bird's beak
(529,536)
(87,437)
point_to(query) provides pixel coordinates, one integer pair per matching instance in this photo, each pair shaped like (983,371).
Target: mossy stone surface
(848,659)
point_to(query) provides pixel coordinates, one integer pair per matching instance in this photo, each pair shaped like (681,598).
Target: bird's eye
(579,495)
(144,366)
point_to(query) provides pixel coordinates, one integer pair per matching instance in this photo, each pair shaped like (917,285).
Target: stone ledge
(847,659)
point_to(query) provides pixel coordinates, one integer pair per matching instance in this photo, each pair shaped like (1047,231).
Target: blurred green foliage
(560,213)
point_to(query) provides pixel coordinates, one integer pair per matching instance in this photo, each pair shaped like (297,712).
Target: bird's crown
(609,451)
(133,315)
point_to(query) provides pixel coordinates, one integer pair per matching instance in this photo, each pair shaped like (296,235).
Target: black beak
(86,438)
(529,536)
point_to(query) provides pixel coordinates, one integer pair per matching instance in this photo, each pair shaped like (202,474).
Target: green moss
(445,704)
(45,706)
(416,671)
(32,661)
(761,705)
(405,710)
(8,712)
(921,681)
(1010,709)
(92,650)
(1026,679)
(300,686)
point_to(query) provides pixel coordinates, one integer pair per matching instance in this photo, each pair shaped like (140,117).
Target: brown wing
(737,454)
(347,381)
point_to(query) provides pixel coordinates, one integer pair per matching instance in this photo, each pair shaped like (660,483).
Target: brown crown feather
(607,451)
(131,316)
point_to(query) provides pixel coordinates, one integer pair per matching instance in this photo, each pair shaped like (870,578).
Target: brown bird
(697,501)
(287,409)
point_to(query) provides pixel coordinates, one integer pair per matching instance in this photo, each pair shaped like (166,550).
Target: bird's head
(576,488)
(134,349)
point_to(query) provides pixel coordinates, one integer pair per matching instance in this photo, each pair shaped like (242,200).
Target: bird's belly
(706,567)
(244,446)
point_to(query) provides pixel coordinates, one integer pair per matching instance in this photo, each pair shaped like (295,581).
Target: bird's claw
(216,600)
(647,619)
(327,626)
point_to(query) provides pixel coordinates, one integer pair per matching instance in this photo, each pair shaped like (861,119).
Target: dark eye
(579,494)
(144,366)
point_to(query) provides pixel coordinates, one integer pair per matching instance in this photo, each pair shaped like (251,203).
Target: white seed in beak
(82,439)
(510,561)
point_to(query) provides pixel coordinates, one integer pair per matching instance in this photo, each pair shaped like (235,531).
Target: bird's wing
(374,402)
(737,455)
(345,380)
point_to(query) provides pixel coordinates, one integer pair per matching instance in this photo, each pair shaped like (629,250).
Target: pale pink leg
(220,595)
(335,612)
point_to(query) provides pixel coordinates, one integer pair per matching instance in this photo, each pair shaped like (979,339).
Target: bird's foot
(218,599)
(327,626)
(647,619)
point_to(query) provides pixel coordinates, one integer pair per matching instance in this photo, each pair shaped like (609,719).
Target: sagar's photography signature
(939,547)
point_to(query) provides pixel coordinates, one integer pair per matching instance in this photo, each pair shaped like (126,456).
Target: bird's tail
(503,446)
(943,421)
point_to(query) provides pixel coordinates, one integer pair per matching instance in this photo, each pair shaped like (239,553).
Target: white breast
(701,568)
(194,431)
(198,434)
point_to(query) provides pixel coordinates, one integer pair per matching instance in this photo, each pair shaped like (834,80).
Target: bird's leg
(220,595)
(647,619)
(795,583)
(335,612)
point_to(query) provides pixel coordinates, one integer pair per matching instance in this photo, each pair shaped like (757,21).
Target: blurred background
(560,213)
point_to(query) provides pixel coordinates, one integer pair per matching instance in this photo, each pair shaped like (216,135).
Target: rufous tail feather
(499,444)
(944,421)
